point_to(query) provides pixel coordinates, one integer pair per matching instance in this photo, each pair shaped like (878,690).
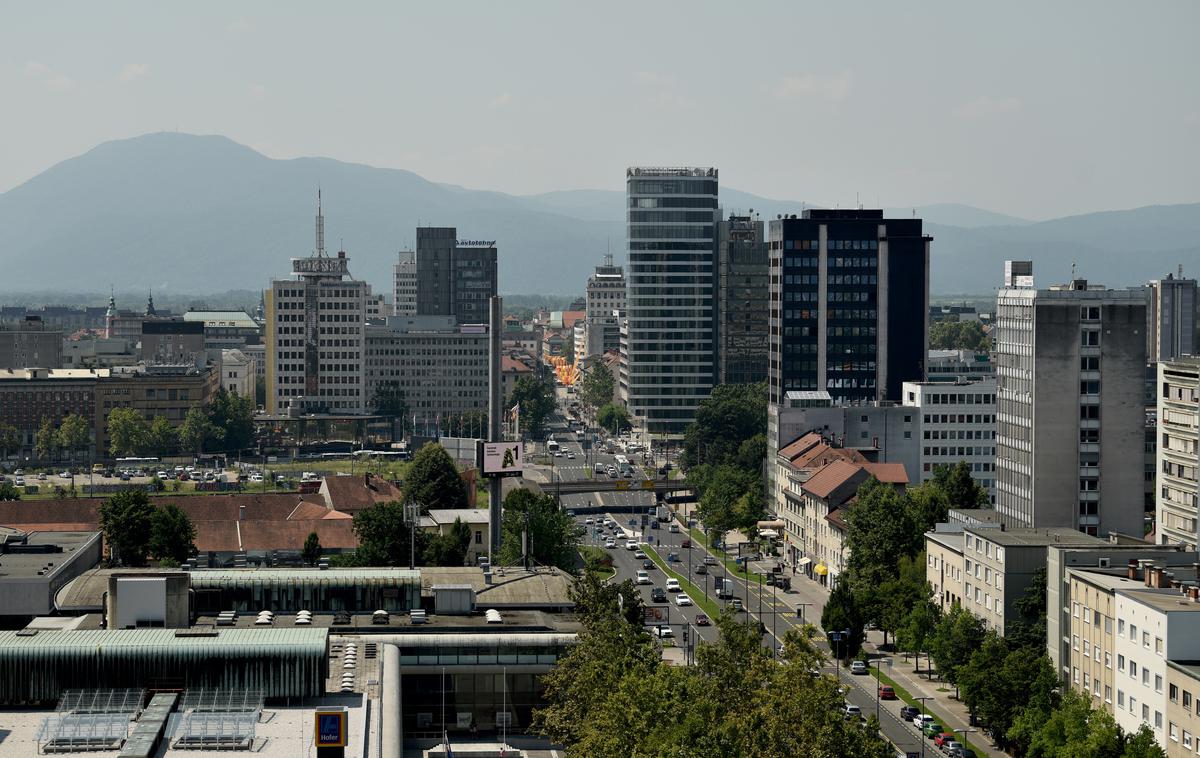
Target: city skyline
(973,131)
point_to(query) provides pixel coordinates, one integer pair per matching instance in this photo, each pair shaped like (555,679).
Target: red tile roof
(508,364)
(354,493)
(801,444)
(826,481)
(891,473)
(837,518)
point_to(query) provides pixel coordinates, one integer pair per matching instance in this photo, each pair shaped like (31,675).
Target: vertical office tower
(1178,459)
(474,280)
(435,270)
(454,278)
(849,304)
(668,361)
(1070,368)
(605,301)
(404,289)
(743,302)
(314,335)
(1172,318)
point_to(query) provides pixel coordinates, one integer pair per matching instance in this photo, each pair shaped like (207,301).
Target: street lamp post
(923,699)
(879,662)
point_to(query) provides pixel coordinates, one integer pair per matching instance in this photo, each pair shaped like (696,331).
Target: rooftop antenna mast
(320,226)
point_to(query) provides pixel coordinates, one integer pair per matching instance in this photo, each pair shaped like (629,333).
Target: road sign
(622,484)
(647,484)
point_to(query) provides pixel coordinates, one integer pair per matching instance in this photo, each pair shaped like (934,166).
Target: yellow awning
(821,569)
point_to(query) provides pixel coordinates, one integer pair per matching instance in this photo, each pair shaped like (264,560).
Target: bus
(136,462)
(552,445)
(384,455)
(623,465)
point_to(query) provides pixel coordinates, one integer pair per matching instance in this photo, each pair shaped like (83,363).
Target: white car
(662,631)
(683,600)
(610,544)
(920,720)
(631,544)
(643,577)
(256,478)
(673,585)
(640,554)
(589,520)
(571,456)
(19,481)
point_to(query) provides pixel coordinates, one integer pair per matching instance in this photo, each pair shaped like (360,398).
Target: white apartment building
(1178,457)
(404,284)
(1153,626)
(314,335)
(958,423)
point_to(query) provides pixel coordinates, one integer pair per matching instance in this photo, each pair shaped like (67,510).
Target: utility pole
(495,401)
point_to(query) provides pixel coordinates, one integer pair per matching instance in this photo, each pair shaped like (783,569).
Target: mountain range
(196,214)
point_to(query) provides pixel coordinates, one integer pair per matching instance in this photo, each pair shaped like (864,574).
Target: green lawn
(904,695)
(592,557)
(700,539)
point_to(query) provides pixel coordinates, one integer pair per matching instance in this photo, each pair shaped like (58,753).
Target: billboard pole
(495,401)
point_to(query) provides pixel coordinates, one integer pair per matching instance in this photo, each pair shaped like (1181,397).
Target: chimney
(1193,593)
(1133,570)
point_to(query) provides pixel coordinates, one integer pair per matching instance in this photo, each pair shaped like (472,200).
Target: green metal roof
(229,641)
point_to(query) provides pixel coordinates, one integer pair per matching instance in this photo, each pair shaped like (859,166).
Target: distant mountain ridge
(196,214)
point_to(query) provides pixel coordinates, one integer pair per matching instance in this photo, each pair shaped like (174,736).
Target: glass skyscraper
(667,348)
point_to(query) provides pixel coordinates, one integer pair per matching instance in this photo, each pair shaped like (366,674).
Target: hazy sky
(1037,109)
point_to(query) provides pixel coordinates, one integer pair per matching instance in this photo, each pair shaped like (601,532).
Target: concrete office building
(315,335)
(668,358)
(404,284)
(440,366)
(172,341)
(958,423)
(849,304)
(1178,458)
(30,344)
(454,277)
(604,306)
(37,565)
(952,365)
(227,330)
(1171,318)
(1070,366)
(743,301)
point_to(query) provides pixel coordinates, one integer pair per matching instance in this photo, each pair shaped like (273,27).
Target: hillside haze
(187,213)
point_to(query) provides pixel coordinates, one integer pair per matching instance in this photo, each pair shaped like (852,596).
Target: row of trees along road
(611,695)
(225,424)
(724,451)
(535,396)
(1007,682)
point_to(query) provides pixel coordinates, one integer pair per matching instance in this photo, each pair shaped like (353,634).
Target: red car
(702,620)
(886,692)
(943,738)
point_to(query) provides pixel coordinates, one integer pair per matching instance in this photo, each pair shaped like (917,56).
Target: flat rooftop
(282,732)
(518,621)
(1027,537)
(26,565)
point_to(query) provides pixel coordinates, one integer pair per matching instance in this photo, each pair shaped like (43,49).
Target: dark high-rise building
(453,278)
(743,309)
(849,304)
(667,348)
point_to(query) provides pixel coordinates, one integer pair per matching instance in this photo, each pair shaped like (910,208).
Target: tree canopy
(126,520)
(598,386)
(613,417)
(385,537)
(172,535)
(552,535)
(433,480)
(958,335)
(730,415)
(611,695)
(535,396)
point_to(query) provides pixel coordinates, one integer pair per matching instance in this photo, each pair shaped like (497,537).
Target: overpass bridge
(588,486)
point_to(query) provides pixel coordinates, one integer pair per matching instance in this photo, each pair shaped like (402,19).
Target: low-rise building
(441,521)
(37,565)
(958,423)
(30,344)
(227,330)
(237,373)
